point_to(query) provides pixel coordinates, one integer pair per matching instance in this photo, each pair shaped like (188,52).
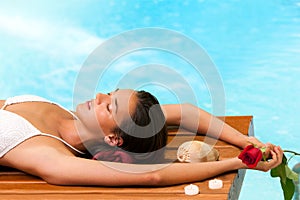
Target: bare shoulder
(34,154)
(2,103)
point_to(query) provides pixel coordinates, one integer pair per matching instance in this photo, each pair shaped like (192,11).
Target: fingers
(276,155)
(269,147)
(279,155)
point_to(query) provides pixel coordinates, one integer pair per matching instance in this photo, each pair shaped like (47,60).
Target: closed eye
(108,107)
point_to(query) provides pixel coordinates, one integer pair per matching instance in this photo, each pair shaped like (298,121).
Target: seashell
(196,151)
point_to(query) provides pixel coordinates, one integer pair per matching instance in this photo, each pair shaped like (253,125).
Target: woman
(104,119)
(54,156)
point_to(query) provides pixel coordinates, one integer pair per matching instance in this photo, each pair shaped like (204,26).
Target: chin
(78,110)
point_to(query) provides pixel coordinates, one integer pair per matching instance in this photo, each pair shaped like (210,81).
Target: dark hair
(145,134)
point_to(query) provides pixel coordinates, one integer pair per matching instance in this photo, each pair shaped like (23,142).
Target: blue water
(254,45)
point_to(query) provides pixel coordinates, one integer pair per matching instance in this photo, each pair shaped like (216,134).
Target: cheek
(100,116)
(92,123)
(104,121)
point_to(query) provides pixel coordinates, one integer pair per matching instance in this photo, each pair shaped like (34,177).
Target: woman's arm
(118,174)
(196,119)
(62,168)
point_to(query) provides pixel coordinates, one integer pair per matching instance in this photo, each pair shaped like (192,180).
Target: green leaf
(286,176)
(263,150)
(288,189)
(284,160)
(280,172)
(291,174)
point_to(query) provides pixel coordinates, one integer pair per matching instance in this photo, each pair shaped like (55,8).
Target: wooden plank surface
(17,185)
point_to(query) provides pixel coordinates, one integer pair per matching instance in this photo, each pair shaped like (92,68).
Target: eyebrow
(116,102)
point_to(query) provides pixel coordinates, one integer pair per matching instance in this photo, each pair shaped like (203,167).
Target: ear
(113,140)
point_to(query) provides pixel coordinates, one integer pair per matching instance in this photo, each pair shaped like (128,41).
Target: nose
(102,98)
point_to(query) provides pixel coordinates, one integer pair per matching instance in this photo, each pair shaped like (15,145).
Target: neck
(74,133)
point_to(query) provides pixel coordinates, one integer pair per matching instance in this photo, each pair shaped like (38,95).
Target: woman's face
(107,111)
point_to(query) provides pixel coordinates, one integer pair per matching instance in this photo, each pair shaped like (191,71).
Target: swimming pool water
(254,45)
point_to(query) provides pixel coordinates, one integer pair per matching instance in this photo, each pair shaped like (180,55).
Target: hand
(269,147)
(277,155)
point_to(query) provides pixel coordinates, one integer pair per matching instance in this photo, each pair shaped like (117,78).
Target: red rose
(250,156)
